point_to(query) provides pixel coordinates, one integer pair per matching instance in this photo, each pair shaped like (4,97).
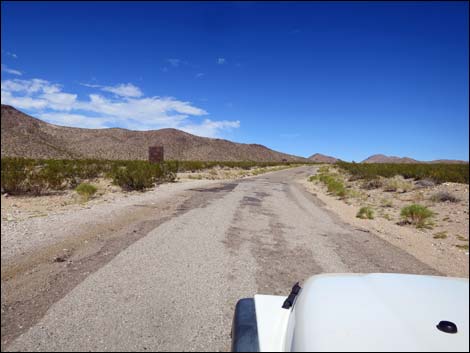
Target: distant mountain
(380,158)
(25,136)
(321,158)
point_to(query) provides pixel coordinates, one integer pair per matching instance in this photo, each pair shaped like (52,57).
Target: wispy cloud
(221,61)
(200,74)
(10,54)
(127,108)
(13,55)
(11,71)
(123,89)
(174,62)
(75,120)
(211,128)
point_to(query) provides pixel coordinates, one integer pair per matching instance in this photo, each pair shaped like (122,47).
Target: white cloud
(11,71)
(30,86)
(36,94)
(209,128)
(122,89)
(76,120)
(23,102)
(200,74)
(127,108)
(221,61)
(60,101)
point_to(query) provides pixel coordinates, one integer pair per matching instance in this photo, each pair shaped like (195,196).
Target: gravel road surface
(175,288)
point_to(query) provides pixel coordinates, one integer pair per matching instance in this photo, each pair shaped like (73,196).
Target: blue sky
(347,79)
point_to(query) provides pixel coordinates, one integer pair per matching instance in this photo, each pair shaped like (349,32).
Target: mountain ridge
(381,158)
(25,136)
(321,158)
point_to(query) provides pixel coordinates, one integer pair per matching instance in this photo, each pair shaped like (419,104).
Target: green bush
(136,175)
(37,176)
(86,190)
(439,173)
(365,213)
(334,186)
(416,214)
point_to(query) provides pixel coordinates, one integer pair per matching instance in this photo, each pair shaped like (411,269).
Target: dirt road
(173,286)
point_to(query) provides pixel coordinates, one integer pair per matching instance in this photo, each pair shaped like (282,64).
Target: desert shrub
(372,184)
(136,175)
(86,190)
(386,203)
(14,175)
(397,183)
(443,197)
(365,213)
(416,214)
(438,173)
(37,176)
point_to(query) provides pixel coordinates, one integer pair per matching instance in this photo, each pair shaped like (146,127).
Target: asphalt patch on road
(36,281)
(224,188)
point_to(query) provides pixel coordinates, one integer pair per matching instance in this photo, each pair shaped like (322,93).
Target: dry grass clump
(397,184)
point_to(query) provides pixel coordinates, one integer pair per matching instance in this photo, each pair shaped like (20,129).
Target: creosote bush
(438,172)
(86,190)
(39,176)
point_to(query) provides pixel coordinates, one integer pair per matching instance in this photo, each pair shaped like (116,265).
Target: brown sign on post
(155,154)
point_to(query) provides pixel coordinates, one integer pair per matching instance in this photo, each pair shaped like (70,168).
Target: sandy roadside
(448,260)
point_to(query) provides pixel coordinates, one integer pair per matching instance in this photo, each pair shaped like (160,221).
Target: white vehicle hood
(375,312)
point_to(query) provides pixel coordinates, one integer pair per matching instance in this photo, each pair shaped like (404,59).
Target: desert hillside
(25,136)
(321,158)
